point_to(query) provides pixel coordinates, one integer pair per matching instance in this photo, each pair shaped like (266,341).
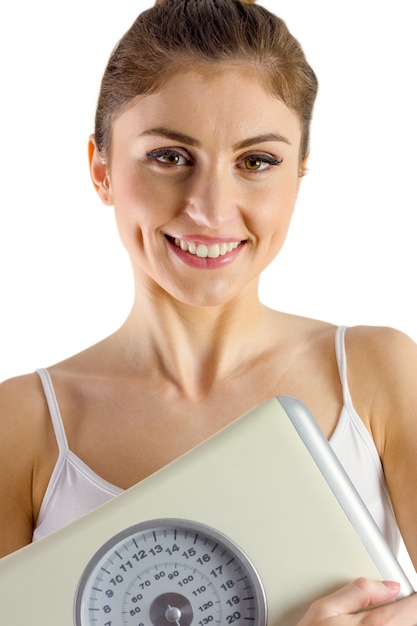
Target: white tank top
(74,489)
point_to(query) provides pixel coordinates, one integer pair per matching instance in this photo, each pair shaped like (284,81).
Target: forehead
(228,103)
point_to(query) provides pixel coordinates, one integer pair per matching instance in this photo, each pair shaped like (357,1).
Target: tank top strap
(341,362)
(54,411)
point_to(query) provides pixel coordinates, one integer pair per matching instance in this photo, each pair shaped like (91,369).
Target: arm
(383,382)
(382,374)
(25,449)
(399,446)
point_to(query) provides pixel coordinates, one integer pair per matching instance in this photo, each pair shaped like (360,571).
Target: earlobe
(99,173)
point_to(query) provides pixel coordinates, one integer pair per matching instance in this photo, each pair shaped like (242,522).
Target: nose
(212,200)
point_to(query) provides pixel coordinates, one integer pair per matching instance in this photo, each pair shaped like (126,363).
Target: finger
(356,596)
(400,613)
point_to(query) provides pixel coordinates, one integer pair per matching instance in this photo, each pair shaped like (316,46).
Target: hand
(345,607)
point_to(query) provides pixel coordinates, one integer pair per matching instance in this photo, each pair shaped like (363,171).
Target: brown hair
(174,33)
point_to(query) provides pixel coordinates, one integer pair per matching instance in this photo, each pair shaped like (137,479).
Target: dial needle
(173,615)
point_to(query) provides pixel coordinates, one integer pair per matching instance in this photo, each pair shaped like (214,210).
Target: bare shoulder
(26,444)
(382,374)
(382,355)
(20,391)
(380,337)
(20,403)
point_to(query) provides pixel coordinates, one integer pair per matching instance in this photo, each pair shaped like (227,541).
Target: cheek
(142,203)
(272,217)
(271,227)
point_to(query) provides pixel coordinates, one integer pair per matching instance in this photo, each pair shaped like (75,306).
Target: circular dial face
(169,573)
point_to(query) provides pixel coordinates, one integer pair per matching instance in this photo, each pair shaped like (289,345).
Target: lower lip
(193,260)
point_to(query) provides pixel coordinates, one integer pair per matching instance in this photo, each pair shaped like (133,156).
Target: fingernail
(391,584)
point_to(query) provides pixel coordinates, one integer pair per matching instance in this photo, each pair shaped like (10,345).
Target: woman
(201,143)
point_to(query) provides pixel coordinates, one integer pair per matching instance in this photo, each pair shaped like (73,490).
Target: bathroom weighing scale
(245,529)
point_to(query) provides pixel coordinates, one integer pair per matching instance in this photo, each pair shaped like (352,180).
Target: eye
(169,157)
(259,162)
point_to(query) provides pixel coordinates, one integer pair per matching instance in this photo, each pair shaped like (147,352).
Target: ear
(303,165)
(301,172)
(99,173)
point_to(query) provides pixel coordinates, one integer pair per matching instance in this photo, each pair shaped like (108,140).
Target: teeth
(203,251)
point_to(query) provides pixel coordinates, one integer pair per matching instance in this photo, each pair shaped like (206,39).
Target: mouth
(206,251)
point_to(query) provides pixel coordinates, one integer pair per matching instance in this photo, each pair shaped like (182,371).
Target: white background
(350,258)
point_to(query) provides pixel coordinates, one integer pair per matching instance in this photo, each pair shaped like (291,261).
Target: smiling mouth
(203,251)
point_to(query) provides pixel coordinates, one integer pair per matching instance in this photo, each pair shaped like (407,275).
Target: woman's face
(203,176)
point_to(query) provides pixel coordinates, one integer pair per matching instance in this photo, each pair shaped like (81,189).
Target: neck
(191,347)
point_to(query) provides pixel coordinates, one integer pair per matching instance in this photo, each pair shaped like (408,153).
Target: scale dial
(170,572)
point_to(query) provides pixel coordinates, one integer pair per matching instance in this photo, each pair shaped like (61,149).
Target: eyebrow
(260,139)
(172,134)
(191,141)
